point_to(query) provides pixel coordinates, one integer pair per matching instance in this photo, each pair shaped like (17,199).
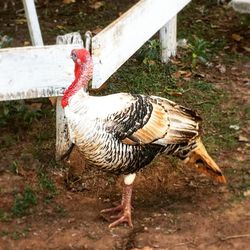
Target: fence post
(168,39)
(33,24)
(62,135)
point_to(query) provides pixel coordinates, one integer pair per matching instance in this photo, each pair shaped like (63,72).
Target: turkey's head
(80,56)
(83,73)
(83,66)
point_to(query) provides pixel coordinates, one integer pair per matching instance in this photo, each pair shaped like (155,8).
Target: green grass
(13,167)
(18,234)
(4,216)
(47,186)
(18,112)
(3,233)
(46,183)
(207,100)
(23,202)
(60,211)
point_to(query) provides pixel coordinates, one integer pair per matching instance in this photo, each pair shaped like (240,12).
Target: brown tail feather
(200,159)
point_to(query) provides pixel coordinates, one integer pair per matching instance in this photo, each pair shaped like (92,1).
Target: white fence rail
(117,42)
(33,72)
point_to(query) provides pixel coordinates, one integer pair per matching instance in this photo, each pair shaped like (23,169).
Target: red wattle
(82,76)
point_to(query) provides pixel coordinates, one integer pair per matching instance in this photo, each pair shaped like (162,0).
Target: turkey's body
(103,128)
(123,133)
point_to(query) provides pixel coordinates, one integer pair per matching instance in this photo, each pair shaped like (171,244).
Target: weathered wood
(32,72)
(168,39)
(242,6)
(33,24)
(117,42)
(88,37)
(63,142)
(70,38)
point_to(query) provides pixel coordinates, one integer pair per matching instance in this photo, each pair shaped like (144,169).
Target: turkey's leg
(125,207)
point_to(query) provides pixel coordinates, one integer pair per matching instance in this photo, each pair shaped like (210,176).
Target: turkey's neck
(82,76)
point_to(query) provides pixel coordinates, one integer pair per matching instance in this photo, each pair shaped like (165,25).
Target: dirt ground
(174,207)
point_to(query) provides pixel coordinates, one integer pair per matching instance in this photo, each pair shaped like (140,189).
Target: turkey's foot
(124,217)
(124,209)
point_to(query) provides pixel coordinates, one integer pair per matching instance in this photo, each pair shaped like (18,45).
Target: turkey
(122,133)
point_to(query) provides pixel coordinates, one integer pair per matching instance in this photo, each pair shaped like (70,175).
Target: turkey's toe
(112,209)
(125,218)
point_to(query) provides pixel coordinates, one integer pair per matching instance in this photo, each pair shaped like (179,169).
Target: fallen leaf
(182,73)
(60,27)
(97,5)
(26,43)
(199,74)
(242,138)
(21,21)
(247,49)
(36,105)
(185,73)
(176,74)
(175,93)
(151,62)
(236,37)
(144,248)
(247,193)
(69,1)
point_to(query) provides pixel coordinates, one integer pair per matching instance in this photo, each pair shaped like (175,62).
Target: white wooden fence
(45,71)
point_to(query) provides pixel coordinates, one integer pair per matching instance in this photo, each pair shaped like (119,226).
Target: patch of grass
(17,235)
(4,216)
(143,74)
(199,51)
(23,202)
(3,233)
(247,112)
(149,52)
(207,99)
(42,136)
(47,185)
(17,113)
(60,211)
(13,167)
(7,140)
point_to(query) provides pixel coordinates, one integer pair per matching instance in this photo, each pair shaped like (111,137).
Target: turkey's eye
(73,56)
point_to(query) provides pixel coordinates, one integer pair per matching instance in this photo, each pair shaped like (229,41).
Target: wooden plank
(122,38)
(33,24)
(168,39)
(32,72)
(63,142)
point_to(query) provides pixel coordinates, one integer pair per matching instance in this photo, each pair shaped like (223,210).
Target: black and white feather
(122,133)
